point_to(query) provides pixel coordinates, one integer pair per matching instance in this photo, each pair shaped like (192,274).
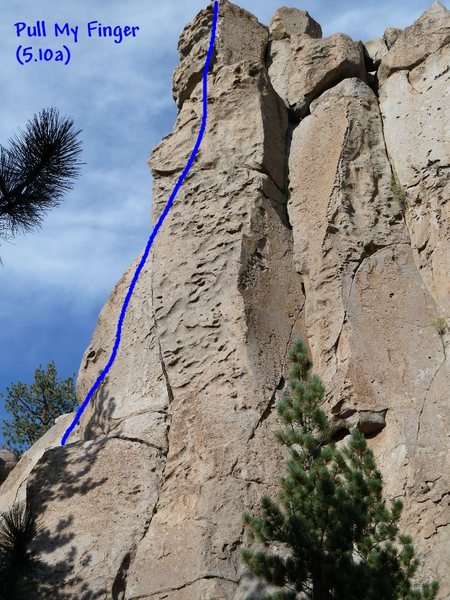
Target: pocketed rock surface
(288,225)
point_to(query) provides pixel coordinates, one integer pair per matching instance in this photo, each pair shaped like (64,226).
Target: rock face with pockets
(318,207)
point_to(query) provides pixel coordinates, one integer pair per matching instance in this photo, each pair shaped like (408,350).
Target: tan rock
(302,68)
(94,501)
(8,461)
(196,377)
(133,401)
(14,488)
(406,371)
(234,43)
(416,123)
(225,333)
(287,22)
(414,44)
(391,35)
(341,214)
(280,229)
(366,306)
(376,49)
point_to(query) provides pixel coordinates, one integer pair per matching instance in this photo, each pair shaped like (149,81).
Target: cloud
(120,95)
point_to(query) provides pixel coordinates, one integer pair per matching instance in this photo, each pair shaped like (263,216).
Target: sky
(54,281)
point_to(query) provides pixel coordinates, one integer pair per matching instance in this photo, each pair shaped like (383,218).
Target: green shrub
(339,538)
(440,324)
(35,407)
(398,192)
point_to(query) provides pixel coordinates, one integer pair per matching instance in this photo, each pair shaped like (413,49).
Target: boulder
(414,44)
(8,461)
(301,68)
(14,488)
(375,50)
(287,22)
(391,35)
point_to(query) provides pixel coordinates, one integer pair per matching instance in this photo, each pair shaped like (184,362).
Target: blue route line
(154,233)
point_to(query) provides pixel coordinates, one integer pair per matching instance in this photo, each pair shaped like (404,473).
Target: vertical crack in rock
(368,251)
(268,245)
(425,398)
(290,339)
(293,122)
(268,410)
(120,584)
(285,227)
(164,370)
(394,174)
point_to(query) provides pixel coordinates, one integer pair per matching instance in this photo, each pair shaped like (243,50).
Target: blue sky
(54,281)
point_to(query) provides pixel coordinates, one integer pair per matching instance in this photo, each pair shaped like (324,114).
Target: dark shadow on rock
(63,472)
(61,477)
(97,424)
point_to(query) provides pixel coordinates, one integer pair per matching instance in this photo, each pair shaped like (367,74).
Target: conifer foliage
(36,170)
(18,566)
(331,536)
(34,407)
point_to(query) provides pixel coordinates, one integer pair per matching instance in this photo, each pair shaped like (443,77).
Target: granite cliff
(318,206)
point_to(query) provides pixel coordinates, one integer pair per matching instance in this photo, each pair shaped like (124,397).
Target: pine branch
(35,172)
(343,542)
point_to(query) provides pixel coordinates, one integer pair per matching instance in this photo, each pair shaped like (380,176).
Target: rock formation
(8,461)
(319,207)
(14,489)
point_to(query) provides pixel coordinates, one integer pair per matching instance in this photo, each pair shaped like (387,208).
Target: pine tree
(35,407)
(36,170)
(335,537)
